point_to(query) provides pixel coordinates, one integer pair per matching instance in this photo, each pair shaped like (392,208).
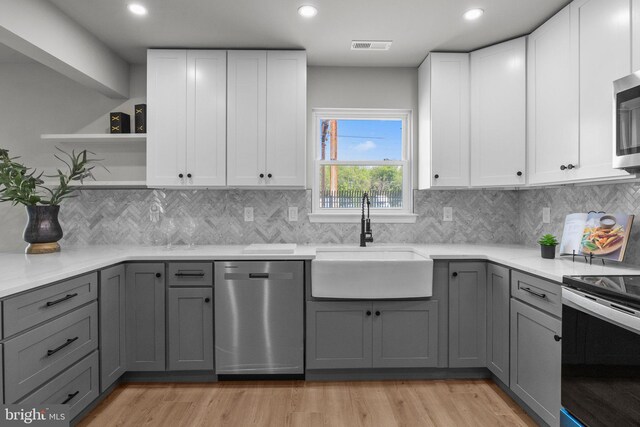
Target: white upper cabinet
(602,39)
(498,114)
(552,97)
(186,96)
(443,82)
(635,35)
(166,117)
(266,138)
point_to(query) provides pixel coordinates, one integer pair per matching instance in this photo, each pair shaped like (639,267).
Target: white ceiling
(10,56)
(415,26)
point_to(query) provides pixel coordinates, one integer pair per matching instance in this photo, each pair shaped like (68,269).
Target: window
(358,151)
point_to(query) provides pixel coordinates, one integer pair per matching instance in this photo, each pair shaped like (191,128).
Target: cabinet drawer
(33,358)
(77,386)
(190,274)
(540,293)
(27,310)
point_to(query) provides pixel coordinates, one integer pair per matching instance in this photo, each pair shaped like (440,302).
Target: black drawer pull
(181,274)
(539,295)
(557,337)
(58,301)
(57,349)
(258,275)
(70,397)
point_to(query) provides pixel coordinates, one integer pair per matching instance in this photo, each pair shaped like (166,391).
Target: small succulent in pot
(22,185)
(548,243)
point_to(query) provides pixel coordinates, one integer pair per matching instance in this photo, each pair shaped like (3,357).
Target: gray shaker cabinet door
(535,360)
(405,334)
(338,335)
(467,314)
(190,328)
(113,356)
(498,318)
(145,317)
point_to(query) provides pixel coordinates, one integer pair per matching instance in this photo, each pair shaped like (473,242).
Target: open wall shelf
(111,138)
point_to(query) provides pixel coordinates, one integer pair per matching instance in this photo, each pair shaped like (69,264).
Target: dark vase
(43,229)
(548,252)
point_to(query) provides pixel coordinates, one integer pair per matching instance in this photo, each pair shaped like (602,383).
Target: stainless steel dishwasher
(259,317)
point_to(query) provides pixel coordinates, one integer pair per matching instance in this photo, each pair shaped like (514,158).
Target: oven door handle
(602,309)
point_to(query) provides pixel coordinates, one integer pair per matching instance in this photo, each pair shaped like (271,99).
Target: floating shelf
(111,138)
(105,184)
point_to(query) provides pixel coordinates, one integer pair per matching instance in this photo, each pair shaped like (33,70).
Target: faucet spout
(366,235)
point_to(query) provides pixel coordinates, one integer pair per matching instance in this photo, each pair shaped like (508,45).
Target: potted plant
(548,244)
(22,185)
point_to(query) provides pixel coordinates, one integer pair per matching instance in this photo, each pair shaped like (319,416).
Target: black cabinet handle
(58,301)
(562,167)
(368,312)
(60,347)
(519,173)
(436,176)
(557,337)
(207,299)
(539,295)
(261,175)
(258,275)
(180,176)
(158,275)
(269,176)
(188,175)
(570,166)
(377,313)
(70,397)
(197,274)
(454,274)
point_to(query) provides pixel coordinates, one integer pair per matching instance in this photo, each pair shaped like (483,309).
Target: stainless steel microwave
(626,141)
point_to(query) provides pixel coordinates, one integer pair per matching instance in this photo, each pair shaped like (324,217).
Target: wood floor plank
(446,403)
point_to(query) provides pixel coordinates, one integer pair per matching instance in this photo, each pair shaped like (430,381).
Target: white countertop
(20,272)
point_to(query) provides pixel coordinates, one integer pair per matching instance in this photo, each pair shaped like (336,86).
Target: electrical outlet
(447,214)
(293,213)
(248,214)
(546,215)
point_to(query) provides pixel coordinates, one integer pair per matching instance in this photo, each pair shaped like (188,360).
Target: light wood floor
(447,403)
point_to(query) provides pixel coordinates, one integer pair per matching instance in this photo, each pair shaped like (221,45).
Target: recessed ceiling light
(137,9)
(472,14)
(307,11)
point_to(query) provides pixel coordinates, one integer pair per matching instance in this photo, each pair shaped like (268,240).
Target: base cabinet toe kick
(71,342)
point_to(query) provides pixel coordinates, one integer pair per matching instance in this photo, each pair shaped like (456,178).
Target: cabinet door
(246,117)
(467,314)
(145,317)
(113,356)
(602,35)
(338,335)
(443,82)
(190,324)
(206,118)
(552,96)
(498,318)
(635,34)
(167,117)
(535,360)
(286,118)
(405,334)
(498,114)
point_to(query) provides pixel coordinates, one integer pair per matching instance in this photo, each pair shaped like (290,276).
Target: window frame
(397,215)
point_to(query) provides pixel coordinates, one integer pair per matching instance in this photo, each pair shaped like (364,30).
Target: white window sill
(352,218)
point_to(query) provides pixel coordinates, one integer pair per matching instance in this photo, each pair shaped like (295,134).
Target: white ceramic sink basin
(371,273)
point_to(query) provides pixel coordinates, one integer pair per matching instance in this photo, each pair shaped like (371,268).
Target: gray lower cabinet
(113,357)
(190,327)
(498,318)
(145,317)
(362,334)
(467,314)
(535,360)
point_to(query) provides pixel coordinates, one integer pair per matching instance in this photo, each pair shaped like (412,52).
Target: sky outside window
(368,140)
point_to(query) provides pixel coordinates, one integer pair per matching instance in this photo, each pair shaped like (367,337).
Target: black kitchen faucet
(365,224)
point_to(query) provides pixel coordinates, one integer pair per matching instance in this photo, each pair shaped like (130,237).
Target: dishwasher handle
(258,275)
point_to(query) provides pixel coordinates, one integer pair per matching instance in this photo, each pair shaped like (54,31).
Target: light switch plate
(546,215)
(293,213)
(248,214)
(447,214)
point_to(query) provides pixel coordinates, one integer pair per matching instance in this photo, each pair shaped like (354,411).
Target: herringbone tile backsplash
(479,216)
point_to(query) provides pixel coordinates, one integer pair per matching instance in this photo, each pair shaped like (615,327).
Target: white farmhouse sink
(370,273)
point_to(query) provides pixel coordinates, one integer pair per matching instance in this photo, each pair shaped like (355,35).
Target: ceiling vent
(371,44)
